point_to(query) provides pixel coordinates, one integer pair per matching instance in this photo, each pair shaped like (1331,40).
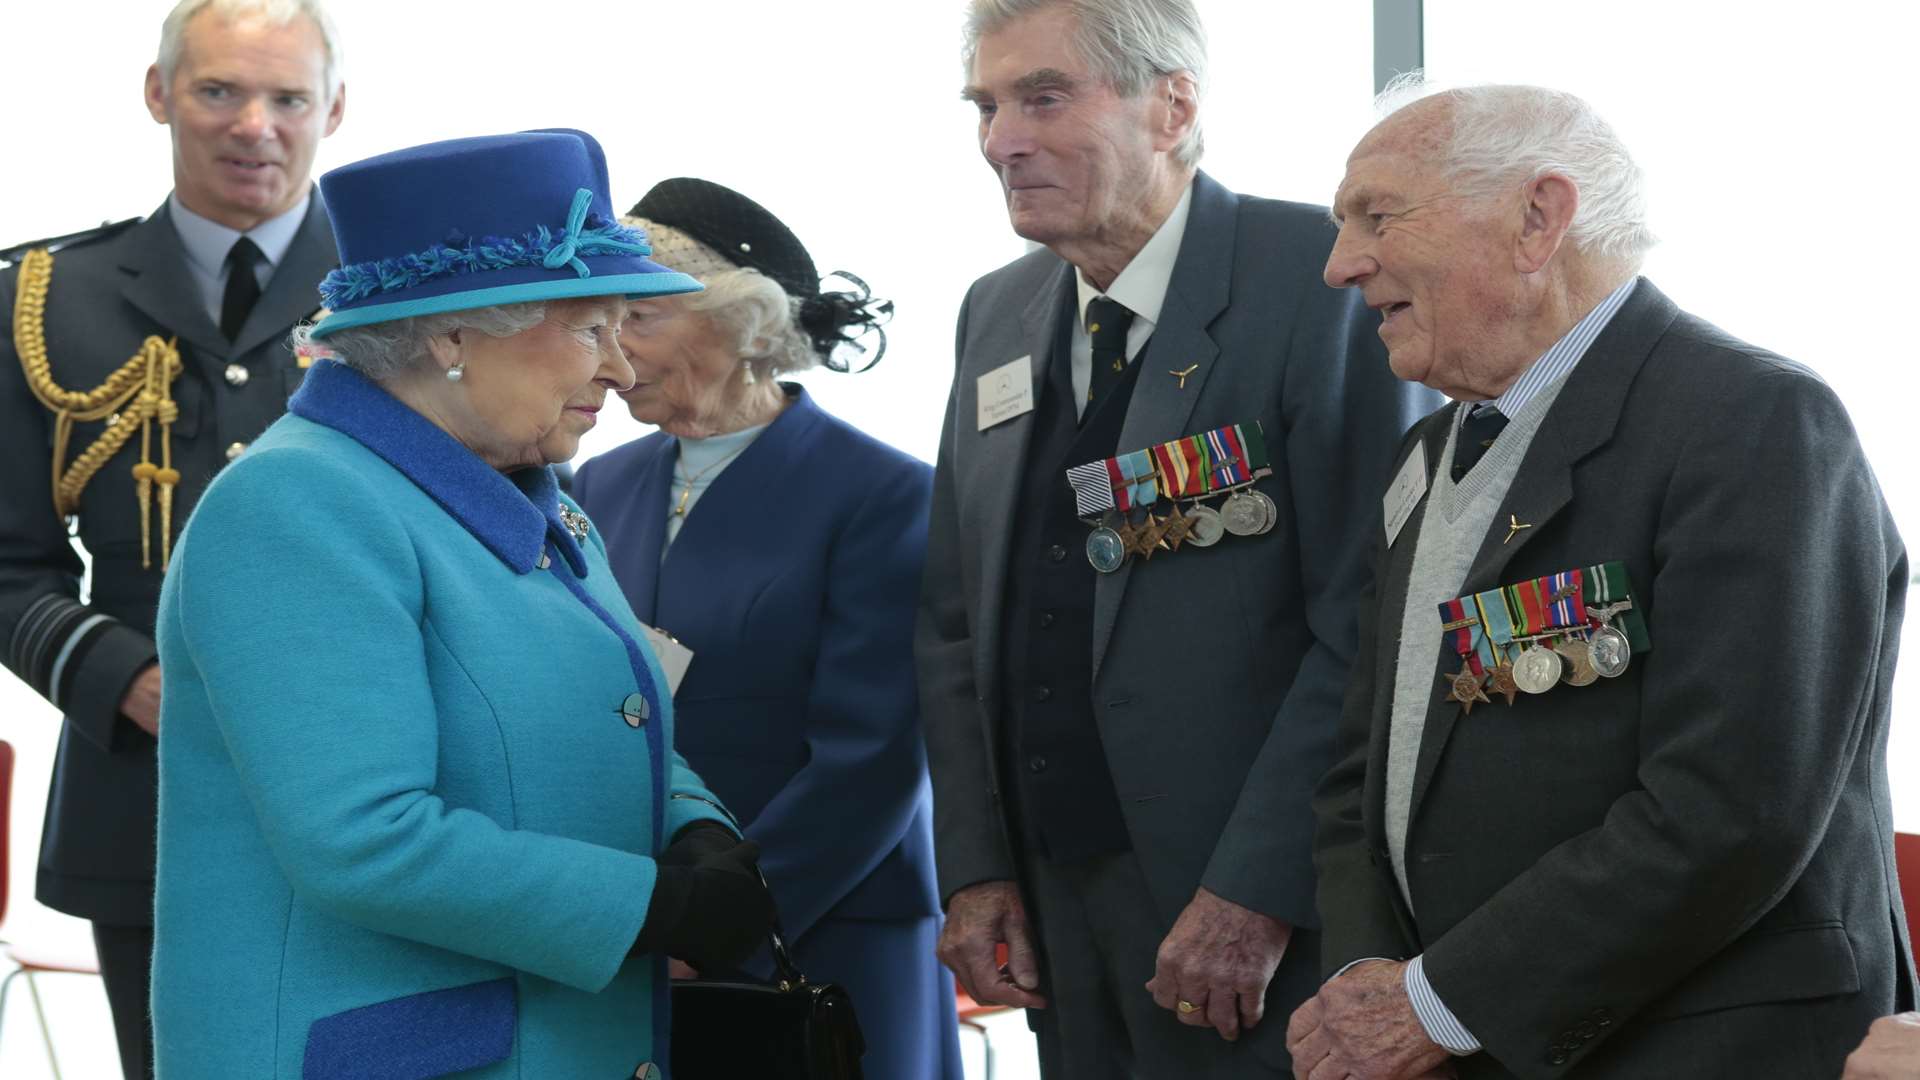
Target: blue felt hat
(469,223)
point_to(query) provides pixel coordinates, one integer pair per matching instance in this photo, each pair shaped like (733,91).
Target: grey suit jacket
(1217,672)
(1686,870)
(106,296)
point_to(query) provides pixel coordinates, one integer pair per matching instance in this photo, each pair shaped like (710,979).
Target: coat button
(1602,1017)
(236,450)
(1558,1057)
(1042,693)
(1056,553)
(237,375)
(1037,763)
(635,709)
(646,1071)
(1046,619)
(1586,1030)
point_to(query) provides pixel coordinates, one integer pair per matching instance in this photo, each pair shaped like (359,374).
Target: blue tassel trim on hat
(585,234)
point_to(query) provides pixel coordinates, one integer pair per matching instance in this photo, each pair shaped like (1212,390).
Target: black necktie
(1107,324)
(1482,425)
(243,286)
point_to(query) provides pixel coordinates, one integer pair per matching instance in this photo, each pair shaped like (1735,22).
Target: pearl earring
(457,372)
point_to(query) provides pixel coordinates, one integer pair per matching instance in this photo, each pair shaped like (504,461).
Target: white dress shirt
(1140,288)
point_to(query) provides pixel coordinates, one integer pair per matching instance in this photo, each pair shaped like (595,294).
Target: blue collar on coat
(514,515)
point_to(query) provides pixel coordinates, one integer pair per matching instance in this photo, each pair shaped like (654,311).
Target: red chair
(1906,858)
(28,960)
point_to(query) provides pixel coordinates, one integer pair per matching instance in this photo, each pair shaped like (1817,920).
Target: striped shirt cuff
(1442,1026)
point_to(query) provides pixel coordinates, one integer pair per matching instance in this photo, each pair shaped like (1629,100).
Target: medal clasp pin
(1514,525)
(1182,375)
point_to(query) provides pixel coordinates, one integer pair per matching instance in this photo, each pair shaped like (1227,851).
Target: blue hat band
(437,270)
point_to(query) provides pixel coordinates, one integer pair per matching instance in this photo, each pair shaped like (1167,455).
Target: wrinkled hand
(141,702)
(1362,1025)
(1219,956)
(979,919)
(1891,1050)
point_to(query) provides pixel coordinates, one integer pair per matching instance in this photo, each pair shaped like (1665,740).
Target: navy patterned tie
(1107,324)
(1482,425)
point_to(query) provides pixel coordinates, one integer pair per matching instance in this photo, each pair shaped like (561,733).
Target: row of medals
(1603,654)
(1245,513)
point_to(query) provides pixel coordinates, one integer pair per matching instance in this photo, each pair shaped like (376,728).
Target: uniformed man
(137,360)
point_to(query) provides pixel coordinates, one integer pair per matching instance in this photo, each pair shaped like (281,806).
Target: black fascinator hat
(736,232)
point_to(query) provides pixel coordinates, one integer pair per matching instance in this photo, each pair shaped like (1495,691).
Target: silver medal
(1204,526)
(1271,511)
(1105,550)
(1537,670)
(1609,652)
(1243,515)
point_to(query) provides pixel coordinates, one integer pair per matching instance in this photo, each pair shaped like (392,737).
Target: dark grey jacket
(1217,672)
(1688,870)
(108,293)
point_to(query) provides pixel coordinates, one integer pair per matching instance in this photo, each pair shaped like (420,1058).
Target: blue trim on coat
(514,515)
(416,1037)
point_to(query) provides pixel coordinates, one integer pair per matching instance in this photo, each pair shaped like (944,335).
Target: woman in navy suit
(784,548)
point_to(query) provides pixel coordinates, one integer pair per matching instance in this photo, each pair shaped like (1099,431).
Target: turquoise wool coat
(417,759)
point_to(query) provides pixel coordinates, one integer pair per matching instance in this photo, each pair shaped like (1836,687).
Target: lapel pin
(1514,525)
(1182,375)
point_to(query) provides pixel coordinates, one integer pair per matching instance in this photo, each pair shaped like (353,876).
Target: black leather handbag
(787,1029)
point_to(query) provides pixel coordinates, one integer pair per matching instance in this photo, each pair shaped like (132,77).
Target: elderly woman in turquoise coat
(419,811)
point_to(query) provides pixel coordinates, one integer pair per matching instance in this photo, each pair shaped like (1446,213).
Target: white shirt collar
(1142,286)
(207,241)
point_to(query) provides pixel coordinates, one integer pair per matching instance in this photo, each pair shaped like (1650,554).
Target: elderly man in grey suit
(1612,798)
(1129,688)
(143,358)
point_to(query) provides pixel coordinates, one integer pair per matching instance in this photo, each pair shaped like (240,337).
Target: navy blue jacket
(793,581)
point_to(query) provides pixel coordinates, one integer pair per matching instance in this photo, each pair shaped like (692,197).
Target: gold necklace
(680,508)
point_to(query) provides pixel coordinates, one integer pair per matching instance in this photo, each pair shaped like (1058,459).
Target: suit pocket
(1787,964)
(415,1037)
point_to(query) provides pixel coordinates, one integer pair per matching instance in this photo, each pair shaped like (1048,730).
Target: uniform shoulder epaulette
(55,243)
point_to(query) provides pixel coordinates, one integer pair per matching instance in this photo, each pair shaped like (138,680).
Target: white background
(1775,136)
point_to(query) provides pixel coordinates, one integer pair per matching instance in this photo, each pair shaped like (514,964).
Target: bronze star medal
(1150,537)
(1466,689)
(1503,683)
(1178,526)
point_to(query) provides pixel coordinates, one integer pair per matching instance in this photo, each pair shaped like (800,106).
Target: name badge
(1404,493)
(673,656)
(1005,392)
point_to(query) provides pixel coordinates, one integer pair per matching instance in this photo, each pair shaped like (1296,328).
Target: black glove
(713,914)
(696,841)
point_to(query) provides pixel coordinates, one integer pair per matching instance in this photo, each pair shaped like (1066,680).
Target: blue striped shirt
(1562,357)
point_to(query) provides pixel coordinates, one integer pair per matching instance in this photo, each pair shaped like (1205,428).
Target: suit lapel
(1581,421)
(292,293)
(1163,403)
(159,284)
(650,495)
(1003,456)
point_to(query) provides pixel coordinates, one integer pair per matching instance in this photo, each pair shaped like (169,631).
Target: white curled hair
(382,350)
(1503,136)
(1128,43)
(277,12)
(759,318)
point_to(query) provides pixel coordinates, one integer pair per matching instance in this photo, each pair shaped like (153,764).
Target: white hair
(1501,136)
(1127,43)
(173,32)
(382,350)
(759,317)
